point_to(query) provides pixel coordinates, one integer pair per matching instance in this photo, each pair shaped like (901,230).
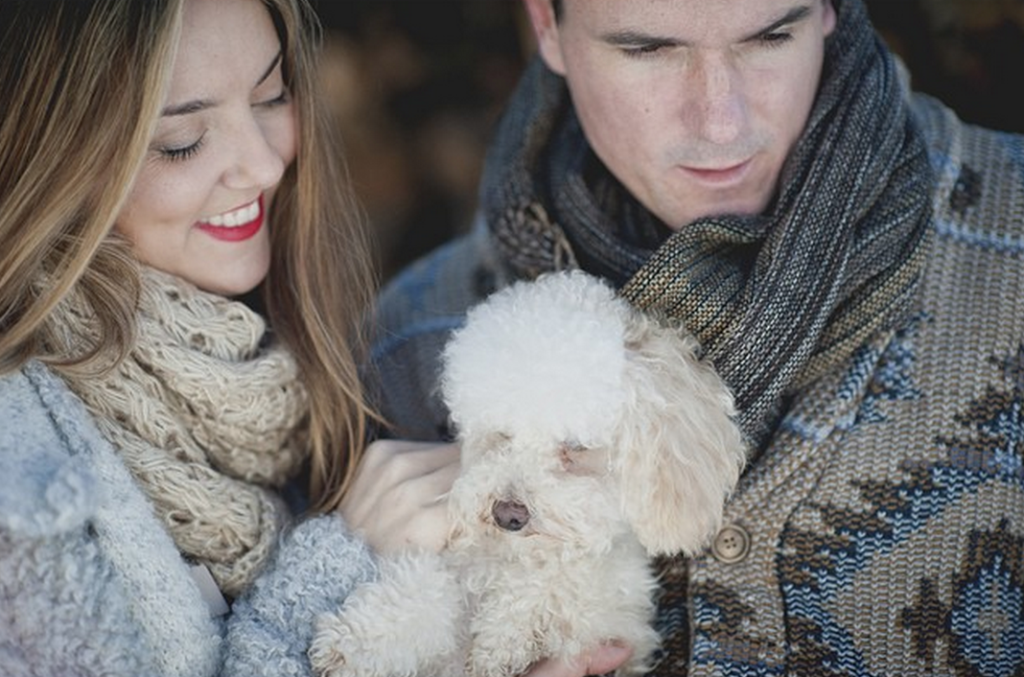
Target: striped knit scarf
(775,299)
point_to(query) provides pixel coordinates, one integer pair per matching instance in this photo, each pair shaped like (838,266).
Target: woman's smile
(235,225)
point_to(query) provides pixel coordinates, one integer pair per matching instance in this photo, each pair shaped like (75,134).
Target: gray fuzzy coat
(92,584)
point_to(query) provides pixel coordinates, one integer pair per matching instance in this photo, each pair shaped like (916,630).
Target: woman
(158,160)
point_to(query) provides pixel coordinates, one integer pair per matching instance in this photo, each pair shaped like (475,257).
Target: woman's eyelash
(279,100)
(184,152)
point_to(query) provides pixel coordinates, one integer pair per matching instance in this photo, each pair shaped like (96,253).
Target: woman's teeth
(238,217)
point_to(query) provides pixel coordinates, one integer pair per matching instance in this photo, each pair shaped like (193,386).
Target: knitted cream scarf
(207,419)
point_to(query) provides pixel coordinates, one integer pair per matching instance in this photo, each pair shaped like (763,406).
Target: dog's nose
(510,515)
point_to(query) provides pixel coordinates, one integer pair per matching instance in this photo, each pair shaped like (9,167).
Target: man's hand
(602,659)
(397,499)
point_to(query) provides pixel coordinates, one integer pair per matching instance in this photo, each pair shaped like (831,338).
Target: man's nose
(717,109)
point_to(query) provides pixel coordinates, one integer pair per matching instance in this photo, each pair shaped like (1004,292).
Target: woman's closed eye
(181,153)
(279,100)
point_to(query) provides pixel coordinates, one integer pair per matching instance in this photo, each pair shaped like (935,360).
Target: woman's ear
(681,452)
(545,28)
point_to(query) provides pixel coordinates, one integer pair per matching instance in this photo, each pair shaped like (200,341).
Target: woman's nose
(257,161)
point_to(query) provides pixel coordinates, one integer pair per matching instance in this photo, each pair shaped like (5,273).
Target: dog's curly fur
(592,437)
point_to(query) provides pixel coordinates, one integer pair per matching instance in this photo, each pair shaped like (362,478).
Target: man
(848,254)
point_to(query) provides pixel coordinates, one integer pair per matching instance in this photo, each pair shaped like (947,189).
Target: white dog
(592,437)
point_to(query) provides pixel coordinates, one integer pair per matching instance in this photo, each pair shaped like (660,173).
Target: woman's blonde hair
(83,86)
(321,277)
(84,83)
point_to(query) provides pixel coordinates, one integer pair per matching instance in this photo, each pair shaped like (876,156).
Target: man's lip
(721,175)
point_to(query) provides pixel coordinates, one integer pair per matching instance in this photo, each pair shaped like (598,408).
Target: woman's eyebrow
(270,69)
(202,104)
(187,107)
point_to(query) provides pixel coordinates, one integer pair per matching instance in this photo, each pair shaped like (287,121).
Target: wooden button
(732,544)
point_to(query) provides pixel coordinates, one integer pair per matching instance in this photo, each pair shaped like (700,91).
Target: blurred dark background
(418,84)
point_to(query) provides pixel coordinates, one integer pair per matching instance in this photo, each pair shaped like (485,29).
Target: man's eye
(776,38)
(641,51)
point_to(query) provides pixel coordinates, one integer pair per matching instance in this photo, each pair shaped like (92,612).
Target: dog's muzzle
(510,515)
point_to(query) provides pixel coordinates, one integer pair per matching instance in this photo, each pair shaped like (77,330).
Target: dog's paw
(341,650)
(352,644)
(331,642)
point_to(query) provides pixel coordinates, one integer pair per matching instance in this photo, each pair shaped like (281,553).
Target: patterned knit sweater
(882,531)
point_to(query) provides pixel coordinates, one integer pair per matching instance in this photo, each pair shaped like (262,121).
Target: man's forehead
(695,16)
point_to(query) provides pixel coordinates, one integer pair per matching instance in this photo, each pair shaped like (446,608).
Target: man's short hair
(557,6)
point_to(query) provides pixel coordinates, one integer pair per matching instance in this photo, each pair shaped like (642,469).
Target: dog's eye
(571,447)
(582,460)
(496,439)
(570,452)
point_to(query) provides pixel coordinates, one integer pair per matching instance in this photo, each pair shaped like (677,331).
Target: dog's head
(580,418)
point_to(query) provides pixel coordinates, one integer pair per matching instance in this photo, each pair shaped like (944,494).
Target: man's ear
(829,17)
(545,28)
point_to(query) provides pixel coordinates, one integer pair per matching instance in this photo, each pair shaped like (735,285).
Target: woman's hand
(397,499)
(597,661)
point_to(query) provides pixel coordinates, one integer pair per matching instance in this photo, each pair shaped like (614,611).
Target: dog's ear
(681,452)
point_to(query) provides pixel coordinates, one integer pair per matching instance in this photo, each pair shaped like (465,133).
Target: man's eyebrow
(793,16)
(625,38)
(202,104)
